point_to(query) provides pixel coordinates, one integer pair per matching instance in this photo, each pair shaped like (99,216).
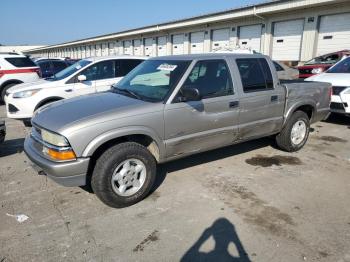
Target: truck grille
(338,89)
(337,106)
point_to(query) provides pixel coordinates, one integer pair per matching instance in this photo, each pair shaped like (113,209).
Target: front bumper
(340,104)
(19,108)
(71,173)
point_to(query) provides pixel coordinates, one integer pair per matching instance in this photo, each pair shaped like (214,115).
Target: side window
(44,66)
(59,65)
(211,78)
(277,66)
(123,67)
(255,74)
(99,71)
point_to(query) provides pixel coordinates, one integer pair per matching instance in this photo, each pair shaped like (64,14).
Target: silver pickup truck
(165,109)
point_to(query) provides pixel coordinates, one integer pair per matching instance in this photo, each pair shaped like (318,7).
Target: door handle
(68,90)
(233,104)
(274,98)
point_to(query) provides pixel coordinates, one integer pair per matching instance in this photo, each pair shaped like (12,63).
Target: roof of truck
(205,56)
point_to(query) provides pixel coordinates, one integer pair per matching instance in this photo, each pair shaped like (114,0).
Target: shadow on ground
(338,119)
(224,234)
(11,147)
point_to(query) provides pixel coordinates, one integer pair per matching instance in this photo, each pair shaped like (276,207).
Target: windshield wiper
(128,92)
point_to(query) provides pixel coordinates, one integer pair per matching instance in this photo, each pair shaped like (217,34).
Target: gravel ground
(248,202)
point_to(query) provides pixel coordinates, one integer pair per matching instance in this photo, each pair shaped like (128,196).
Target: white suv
(86,76)
(16,69)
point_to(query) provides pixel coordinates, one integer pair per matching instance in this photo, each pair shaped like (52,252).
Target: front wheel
(124,175)
(295,133)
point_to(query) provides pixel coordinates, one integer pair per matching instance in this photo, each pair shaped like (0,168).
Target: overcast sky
(32,22)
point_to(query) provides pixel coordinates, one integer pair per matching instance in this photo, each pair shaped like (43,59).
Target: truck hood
(334,79)
(68,115)
(42,83)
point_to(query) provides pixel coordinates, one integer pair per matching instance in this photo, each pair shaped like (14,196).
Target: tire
(27,122)
(106,169)
(285,140)
(4,89)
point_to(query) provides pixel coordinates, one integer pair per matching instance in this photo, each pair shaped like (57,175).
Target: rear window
(20,61)
(255,74)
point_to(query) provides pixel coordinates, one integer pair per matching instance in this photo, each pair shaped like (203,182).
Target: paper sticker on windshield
(78,67)
(167,67)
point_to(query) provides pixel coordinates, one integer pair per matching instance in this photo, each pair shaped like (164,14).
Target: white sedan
(84,77)
(339,76)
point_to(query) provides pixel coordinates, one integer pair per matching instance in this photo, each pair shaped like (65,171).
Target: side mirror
(81,78)
(190,94)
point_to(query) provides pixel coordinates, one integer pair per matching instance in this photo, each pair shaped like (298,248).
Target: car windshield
(69,70)
(325,59)
(152,80)
(342,67)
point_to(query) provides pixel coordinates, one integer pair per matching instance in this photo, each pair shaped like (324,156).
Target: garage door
(178,44)
(149,46)
(127,48)
(220,39)
(137,47)
(287,40)
(334,33)
(161,46)
(197,43)
(83,52)
(250,37)
(98,50)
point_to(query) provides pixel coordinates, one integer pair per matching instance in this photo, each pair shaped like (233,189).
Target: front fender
(121,132)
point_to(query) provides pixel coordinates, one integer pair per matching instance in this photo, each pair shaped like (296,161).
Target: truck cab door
(211,122)
(262,100)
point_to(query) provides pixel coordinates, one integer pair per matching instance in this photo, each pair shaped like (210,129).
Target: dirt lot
(249,202)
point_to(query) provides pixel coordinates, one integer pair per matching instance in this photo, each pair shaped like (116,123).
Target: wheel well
(8,82)
(144,140)
(48,100)
(307,109)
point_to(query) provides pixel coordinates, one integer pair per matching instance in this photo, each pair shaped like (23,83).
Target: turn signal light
(61,155)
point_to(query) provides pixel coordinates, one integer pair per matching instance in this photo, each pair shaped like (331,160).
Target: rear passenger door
(262,100)
(194,126)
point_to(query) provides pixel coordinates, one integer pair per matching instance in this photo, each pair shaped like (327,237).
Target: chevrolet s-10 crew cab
(168,108)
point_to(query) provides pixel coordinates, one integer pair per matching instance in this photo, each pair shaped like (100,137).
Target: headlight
(25,94)
(317,70)
(56,146)
(53,139)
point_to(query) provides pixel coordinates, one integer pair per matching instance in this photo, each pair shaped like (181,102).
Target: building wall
(18,48)
(308,46)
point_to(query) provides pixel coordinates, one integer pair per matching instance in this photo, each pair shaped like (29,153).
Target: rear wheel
(124,175)
(295,133)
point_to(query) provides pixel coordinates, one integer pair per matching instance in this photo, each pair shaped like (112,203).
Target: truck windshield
(326,59)
(152,80)
(69,70)
(342,67)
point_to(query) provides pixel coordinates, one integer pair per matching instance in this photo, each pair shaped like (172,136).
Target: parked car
(339,76)
(168,108)
(16,69)
(320,64)
(285,72)
(2,131)
(84,77)
(50,67)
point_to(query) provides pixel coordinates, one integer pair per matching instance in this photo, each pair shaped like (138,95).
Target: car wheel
(295,133)
(27,122)
(3,91)
(124,175)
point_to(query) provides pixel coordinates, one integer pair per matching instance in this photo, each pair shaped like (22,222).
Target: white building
(294,30)
(18,48)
